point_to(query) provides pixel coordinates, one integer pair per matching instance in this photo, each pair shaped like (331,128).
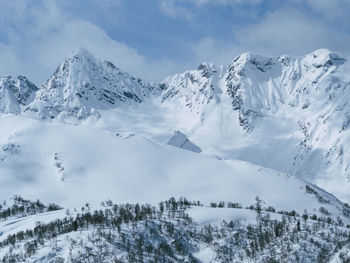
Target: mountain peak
(323,58)
(83,83)
(251,61)
(82,53)
(193,88)
(323,52)
(79,58)
(249,56)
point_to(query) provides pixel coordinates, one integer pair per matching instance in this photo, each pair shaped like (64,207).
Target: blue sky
(154,38)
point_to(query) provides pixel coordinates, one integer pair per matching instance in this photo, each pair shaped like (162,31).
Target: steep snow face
(181,141)
(315,89)
(249,82)
(192,89)
(83,84)
(15,93)
(260,86)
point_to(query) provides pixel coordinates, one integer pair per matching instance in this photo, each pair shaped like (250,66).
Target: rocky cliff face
(83,84)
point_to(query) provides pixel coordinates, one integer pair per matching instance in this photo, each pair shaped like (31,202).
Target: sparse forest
(166,233)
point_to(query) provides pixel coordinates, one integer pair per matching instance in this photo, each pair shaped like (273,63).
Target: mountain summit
(82,84)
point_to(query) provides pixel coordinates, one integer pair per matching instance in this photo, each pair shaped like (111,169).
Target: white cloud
(35,36)
(222,2)
(40,36)
(172,9)
(86,35)
(330,9)
(178,9)
(9,62)
(286,31)
(290,31)
(215,51)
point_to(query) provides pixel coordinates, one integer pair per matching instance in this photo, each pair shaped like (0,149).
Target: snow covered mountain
(287,114)
(15,93)
(294,110)
(277,128)
(83,84)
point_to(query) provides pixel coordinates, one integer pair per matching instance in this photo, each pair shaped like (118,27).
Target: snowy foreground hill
(259,150)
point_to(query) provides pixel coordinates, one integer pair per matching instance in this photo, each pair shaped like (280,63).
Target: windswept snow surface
(74,164)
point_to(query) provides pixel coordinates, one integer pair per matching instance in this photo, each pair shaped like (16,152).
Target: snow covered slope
(59,160)
(175,231)
(15,93)
(83,84)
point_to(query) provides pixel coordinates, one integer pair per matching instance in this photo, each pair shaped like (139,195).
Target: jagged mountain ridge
(284,113)
(83,84)
(302,102)
(293,110)
(260,85)
(257,85)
